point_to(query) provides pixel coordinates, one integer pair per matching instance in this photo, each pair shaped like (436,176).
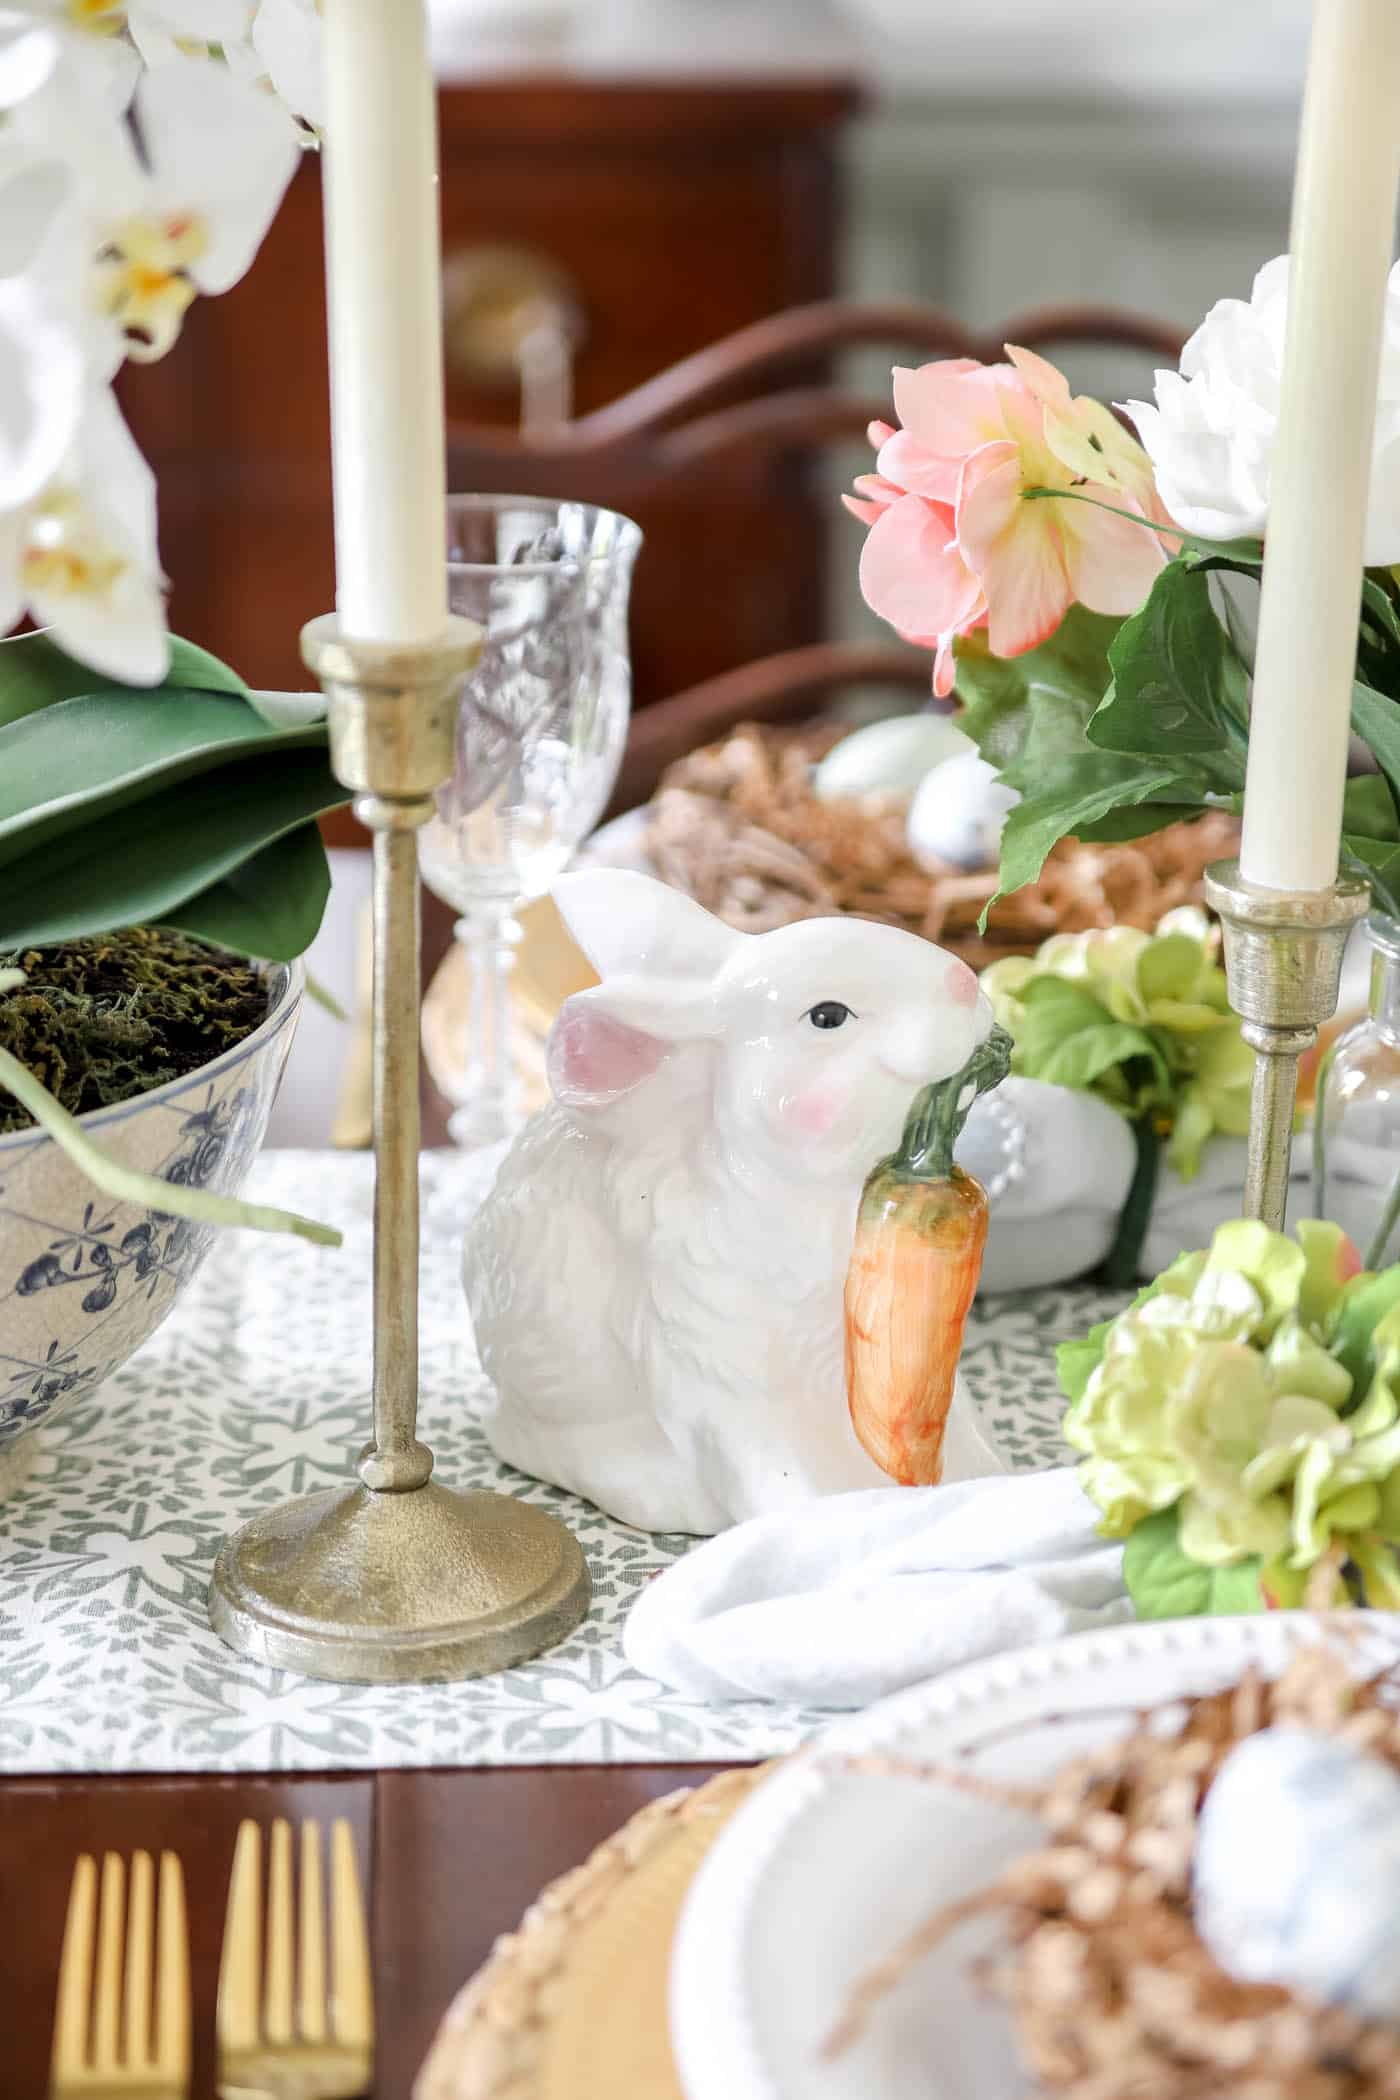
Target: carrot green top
(938,1112)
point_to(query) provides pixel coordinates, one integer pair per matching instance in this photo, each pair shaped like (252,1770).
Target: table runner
(256,1389)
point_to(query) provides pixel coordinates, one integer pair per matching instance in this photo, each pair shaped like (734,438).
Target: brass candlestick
(1283,959)
(397,1579)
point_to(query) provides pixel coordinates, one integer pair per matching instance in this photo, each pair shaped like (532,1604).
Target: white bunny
(656,1279)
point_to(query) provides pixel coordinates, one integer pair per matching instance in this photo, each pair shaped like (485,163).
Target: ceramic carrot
(920,1232)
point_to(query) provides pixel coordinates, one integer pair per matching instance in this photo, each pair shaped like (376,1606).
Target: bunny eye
(829,1014)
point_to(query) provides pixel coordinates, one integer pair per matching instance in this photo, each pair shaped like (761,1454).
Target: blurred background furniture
(594,233)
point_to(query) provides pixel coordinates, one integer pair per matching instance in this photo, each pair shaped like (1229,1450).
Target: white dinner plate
(820,1873)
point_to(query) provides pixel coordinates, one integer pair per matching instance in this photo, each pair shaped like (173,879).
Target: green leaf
(270,906)
(98,753)
(126,1184)
(1029,717)
(1376,720)
(1178,686)
(35,673)
(1368,807)
(1000,694)
(1165,1583)
(1378,605)
(1139,819)
(1075,800)
(1069,1038)
(165,851)
(191,666)
(1358,1312)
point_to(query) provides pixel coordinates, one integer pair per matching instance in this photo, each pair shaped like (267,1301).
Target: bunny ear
(608,1040)
(631,924)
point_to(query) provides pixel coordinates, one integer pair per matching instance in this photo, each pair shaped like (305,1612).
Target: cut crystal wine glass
(541,728)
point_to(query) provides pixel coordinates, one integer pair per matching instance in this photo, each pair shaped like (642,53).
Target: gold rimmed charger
(527,2026)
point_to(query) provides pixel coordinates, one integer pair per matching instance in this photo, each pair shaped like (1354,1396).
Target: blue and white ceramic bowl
(83,1280)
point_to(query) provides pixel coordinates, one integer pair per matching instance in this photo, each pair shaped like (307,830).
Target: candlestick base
(361,1587)
(1283,959)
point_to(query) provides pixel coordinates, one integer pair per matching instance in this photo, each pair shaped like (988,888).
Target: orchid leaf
(269,906)
(167,850)
(289,710)
(126,1184)
(36,673)
(88,757)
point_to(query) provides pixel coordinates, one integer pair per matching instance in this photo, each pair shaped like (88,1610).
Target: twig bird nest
(737,826)
(1113,1994)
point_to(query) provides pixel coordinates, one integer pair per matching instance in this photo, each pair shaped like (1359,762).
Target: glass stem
(488,1112)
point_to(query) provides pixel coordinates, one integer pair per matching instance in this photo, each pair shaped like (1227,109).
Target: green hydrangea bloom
(1142,1020)
(1254,1391)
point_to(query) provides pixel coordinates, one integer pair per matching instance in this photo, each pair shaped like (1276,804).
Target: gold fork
(294,2024)
(122,2028)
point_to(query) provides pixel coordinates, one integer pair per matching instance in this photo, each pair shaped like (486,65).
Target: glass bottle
(1356,1127)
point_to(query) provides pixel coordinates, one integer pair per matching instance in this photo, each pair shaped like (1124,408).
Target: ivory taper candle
(1344,202)
(384,307)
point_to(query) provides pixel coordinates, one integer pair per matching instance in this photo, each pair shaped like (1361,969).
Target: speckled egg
(959,813)
(889,757)
(1297,1876)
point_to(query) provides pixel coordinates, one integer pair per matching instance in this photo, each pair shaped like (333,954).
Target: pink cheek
(812,1115)
(960,983)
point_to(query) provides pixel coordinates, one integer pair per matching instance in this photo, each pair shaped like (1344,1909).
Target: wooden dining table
(452,1859)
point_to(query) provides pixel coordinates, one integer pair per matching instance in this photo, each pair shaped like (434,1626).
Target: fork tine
(106,1993)
(241,1961)
(172,2051)
(277,1987)
(75,1973)
(352,1999)
(311,1937)
(140,1958)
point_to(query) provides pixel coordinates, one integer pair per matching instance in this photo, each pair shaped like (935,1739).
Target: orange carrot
(920,1232)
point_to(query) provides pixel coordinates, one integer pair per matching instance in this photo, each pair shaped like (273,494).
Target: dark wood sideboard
(670,213)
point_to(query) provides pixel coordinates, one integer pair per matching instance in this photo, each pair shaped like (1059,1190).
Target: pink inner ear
(960,983)
(593,1058)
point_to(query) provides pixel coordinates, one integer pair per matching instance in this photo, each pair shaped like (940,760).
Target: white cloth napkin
(840,1601)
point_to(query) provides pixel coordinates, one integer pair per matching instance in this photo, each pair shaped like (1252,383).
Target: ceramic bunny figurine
(656,1279)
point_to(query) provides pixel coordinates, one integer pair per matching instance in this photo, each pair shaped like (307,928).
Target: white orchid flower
(41,356)
(88,36)
(41,393)
(81,556)
(104,41)
(28,54)
(165,29)
(286,39)
(146,233)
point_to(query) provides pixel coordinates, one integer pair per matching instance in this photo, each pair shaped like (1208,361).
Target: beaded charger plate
(527,2028)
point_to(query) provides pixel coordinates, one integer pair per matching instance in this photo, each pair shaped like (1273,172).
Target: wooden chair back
(739,398)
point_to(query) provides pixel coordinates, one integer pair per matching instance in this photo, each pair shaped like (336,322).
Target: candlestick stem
(396,1460)
(396,1579)
(1283,959)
